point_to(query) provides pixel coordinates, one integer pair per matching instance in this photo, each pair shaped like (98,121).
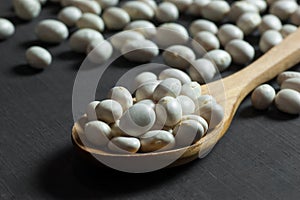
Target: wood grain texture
(258,158)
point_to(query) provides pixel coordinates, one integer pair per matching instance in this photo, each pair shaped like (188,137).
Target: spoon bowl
(236,86)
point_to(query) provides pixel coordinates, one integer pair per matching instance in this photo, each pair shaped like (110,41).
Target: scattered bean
(220,58)
(202,70)
(178,56)
(69,15)
(291,83)
(171,34)
(119,39)
(146,28)
(240,51)
(263,96)
(268,22)
(90,6)
(202,25)
(92,21)
(174,73)
(260,4)
(216,10)
(168,87)
(109,111)
(287,75)
(38,57)
(288,29)
(181,5)
(269,39)
(283,9)
(248,22)
(205,41)
(146,90)
(143,78)
(166,12)
(115,18)
(99,51)
(107,3)
(27,9)
(240,7)
(7,29)
(138,10)
(52,31)
(288,101)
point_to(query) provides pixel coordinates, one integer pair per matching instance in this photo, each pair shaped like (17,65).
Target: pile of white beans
(167,111)
(219,31)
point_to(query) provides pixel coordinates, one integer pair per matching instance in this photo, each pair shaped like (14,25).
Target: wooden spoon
(236,87)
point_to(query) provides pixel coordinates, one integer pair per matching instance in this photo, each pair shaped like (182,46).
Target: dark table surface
(258,158)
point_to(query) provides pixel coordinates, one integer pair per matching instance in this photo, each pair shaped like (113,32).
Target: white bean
(138,10)
(143,78)
(216,10)
(288,101)
(240,7)
(146,28)
(69,15)
(287,29)
(182,5)
(91,110)
(80,40)
(287,75)
(187,104)
(168,87)
(148,102)
(268,22)
(145,91)
(107,3)
(38,57)
(90,6)
(151,3)
(196,7)
(205,41)
(115,18)
(116,130)
(168,111)
(121,95)
(119,39)
(109,111)
(27,9)
(212,112)
(166,12)
(202,70)
(171,34)
(137,120)
(178,56)
(263,96)
(92,21)
(260,4)
(124,145)
(7,29)
(140,50)
(97,133)
(283,9)
(52,31)
(291,83)
(220,58)
(248,22)
(202,25)
(192,90)
(188,132)
(99,51)
(174,73)
(240,51)
(157,140)
(197,118)
(269,39)
(228,32)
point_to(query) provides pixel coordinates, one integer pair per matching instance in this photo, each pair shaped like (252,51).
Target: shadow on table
(66,175)
(25,70)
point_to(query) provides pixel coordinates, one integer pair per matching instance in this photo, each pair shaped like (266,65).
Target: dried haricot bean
(7,29)
(146,28)
(109,111)
(52,31)
(287,75)
(166,12)
(171,34)
(240,51)
(137,120)
(168,87)
(288,101)
(263,96)
(221,58)
(148,102)
(119,39)
(38,57)
(216,10)
(27,9)
(115,18)
(157,140)
(287,29)
(187,104)
(205,41)
(116,130)
(80,40)
(99,51)
(248,22)
(124,145)
(90,6)
(228,32)
(268,22)
(240,7)
(295,17)
(260,4)
(188,132)
(204,99)
(140,50)
(202,25)
(197,118)
(138,10)
(97,133)
(121,95)
(145,91)
(192,90)
(91,110)
(107,3)
(291,83)
(283,9)
(196,7)
(202,70)
(269,39)
(143,78)
(181,5)
(168,111)
(69,15)
(90,20)
(174,73)
(178,56)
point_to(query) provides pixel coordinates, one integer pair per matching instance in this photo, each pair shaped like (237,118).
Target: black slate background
(258,158)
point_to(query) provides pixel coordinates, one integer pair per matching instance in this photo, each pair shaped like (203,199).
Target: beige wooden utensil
(236,87)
